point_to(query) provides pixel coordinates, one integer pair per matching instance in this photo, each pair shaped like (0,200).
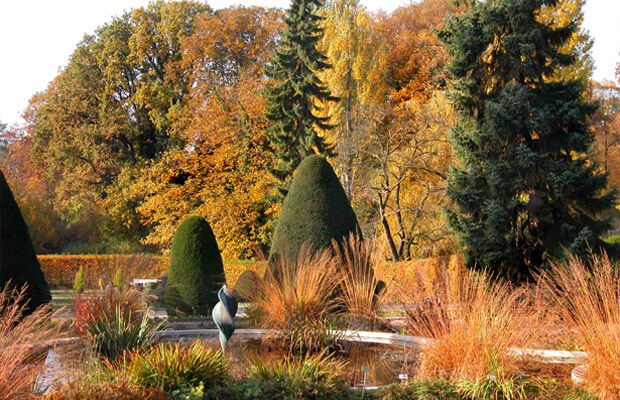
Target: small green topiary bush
(315,211)
(18,261)
(196,269)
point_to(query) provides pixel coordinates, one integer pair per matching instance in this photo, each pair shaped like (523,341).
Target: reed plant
(21,335)
(90,307)
(588,295)
(312,376)
(361,292)
(97,384)
(114,320)
(296,300)
(473,322)
(175,366)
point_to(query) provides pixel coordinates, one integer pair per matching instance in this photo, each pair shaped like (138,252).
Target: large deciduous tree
(111,108)
(356,77)
(220,174)
(294,95)
(523,187)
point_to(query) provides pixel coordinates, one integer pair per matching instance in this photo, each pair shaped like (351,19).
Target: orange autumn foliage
(220,174)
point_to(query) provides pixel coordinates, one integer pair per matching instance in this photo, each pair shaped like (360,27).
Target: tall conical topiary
(315,211)
(18,261)
(196,269)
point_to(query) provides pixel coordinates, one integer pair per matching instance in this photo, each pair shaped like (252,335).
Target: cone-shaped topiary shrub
(18,261)
(196,269)
(315,211)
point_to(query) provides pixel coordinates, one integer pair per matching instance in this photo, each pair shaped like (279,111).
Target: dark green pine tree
(292,100)
(523,187)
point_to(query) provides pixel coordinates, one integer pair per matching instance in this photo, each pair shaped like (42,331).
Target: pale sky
(38,36)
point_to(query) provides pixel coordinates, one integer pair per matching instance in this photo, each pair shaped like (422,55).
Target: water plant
(317,376)
(176,366)
(114,321)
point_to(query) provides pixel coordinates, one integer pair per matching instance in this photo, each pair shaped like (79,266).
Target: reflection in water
(386,362)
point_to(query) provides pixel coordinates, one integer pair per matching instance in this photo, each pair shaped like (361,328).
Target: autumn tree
(220,174)
(293,97)
(410,153)
(355,77)
(405,151)
(605,123)
(111,109)
(524,189)
(415,58)
(565,13)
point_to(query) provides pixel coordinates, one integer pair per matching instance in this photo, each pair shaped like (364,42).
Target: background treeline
(160,114)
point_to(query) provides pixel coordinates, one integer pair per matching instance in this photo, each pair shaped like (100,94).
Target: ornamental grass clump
(20,328)
(177,366)
(474,321)
(588,295)
(361,292)
(97,383)
(114,321)
(297,301)
(112,335)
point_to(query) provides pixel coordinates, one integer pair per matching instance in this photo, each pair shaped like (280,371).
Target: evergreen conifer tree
(524,189)
(292,99)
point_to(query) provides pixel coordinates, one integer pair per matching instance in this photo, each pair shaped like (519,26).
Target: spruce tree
(292,99)
(523,187)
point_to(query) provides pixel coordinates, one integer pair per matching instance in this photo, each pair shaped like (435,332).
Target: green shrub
(177,367)
(18,261)
(246,285)
(518,387)
(79,283)
(196,269)
(310,377)
(119,277)
(112,335)
(437,389)
(315,211)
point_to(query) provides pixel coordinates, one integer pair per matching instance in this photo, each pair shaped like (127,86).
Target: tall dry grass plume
(362,293)
(473,320)
(588,296)
(296,298)
(21,354)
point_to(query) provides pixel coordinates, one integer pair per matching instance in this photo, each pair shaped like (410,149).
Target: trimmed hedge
(60,270)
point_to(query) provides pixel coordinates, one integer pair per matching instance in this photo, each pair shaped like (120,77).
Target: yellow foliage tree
(220,174)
